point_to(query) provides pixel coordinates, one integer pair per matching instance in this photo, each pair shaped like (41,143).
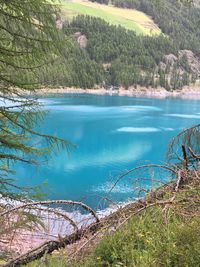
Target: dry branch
(190,139)
(185,157)
(193,154)
(142,167)
(49,247)
(59,213)
(50,202)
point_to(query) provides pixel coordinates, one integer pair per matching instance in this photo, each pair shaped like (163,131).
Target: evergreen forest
(113,56)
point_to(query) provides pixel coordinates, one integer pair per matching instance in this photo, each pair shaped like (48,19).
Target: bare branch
(141,167)
(185,157)
(59,213)
(193,154)
(65,202)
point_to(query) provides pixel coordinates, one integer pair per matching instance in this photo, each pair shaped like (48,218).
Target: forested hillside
(107,55)
(173,17)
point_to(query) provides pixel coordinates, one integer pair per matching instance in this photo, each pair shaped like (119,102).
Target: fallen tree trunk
(50,246)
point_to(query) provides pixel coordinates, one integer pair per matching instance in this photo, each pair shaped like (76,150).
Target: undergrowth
(160,236)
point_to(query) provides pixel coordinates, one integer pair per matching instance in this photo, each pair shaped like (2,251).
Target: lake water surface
(112,134)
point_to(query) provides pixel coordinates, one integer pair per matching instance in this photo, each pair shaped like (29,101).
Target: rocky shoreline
(185,93)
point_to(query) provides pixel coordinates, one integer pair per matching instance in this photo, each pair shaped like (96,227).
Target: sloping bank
(132,235)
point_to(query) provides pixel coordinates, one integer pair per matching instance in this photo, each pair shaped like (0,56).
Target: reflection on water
(185,116)
(138,130)
(112,134)
(105,157)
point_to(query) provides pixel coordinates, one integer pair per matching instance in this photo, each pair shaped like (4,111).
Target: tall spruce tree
(29,40)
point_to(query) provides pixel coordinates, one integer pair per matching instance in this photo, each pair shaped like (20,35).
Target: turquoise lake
(112,134)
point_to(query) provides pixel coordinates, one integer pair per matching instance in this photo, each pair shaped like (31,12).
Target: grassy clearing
(149,242)
(127,18)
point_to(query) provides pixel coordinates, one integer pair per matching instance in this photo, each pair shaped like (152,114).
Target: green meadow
(127,18)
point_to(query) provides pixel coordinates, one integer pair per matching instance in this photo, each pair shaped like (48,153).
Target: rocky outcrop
(81,39)
(186,61)
(59,23)
(193,60)
(170,59)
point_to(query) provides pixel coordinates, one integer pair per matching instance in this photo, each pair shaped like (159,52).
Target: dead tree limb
(185,162)
(193,154)
(178,182)
(49,247)
(61,214)
(141,167)
(64,202)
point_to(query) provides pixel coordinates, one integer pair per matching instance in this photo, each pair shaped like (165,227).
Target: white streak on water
(98,109)
(140,108)
(184,116)
(138,129)
(47,102)
(167,129)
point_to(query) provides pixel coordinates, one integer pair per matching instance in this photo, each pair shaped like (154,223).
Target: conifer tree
(29,40)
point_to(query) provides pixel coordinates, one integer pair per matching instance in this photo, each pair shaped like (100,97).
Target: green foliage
(148,241)
(128,59)
(56,260)
(29,41)
(101,1)
(139,57)
(77,69)
(114,56)
(175,19)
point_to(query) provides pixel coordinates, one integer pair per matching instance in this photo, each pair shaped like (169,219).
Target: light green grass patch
(127,18)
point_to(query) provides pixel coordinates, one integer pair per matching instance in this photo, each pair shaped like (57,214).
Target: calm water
(112,134)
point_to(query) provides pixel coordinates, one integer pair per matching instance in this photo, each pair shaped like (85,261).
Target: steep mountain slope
(179,21)
(100,53)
